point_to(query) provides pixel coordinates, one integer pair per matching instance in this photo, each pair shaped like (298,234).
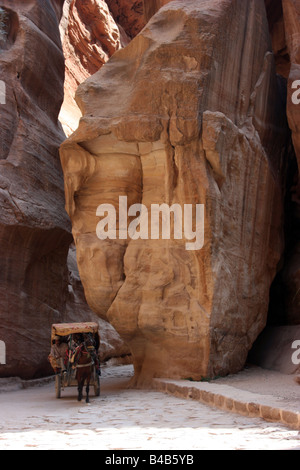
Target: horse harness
(78,353)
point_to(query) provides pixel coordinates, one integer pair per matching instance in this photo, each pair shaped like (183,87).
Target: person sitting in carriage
(58,354)
(74,341)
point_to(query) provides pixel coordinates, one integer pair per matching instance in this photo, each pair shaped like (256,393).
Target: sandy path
(128,419)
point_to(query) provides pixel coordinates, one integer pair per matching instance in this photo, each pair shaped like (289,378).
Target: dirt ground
(124,419)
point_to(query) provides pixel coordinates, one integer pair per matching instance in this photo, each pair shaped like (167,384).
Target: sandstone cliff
(34,228)
(39,282)
(152,6)
(291,12)
(189,112)
(90,36)
(284,24)
(129,14)
(195,117)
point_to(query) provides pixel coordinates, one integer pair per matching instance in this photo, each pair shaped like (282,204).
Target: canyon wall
(34,228)
(39,280)
(90,36)
(152,6)
(195,117)
(291,15)
(188,112)
(284,309)
(129,14)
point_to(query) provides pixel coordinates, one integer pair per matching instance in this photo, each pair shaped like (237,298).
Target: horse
(84,363)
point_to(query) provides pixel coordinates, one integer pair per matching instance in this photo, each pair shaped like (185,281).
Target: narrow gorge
(182,102)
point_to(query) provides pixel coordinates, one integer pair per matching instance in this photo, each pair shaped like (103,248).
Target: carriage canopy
(66,329)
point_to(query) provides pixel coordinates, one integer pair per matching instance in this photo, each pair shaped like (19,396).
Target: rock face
(278,36)
(129,14)
(90,36)
(194,118)
(291,14)
(152,6)
(39,281)
(284,22)
(275,349)
(34,228)
(111,345)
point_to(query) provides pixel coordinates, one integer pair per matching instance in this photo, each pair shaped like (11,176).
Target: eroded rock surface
(90,36)
(77,310)
(291,14)
(152,6)
(39,282)
(129,14)
(193,119)
(34,228)
(284,23)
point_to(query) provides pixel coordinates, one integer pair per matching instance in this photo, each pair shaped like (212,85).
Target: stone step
(235,400)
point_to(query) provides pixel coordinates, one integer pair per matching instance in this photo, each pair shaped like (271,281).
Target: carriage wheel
(58,386)
(97,385)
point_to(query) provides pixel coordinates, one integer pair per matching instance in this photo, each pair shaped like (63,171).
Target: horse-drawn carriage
(74,357)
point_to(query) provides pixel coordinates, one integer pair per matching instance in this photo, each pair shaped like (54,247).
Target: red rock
(284,21)
(38,281)
(152,6)
(199,124)
(291,14)
(129,14)
(77,310)
(34,228)
(277,31)
(90,37)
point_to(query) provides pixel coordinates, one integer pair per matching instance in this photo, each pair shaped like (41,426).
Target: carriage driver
(58,354)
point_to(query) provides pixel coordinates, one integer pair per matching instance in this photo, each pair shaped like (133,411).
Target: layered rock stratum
(39,281)
(90,36)
(291,14)
(34,228)
(188,113)
(284,28)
